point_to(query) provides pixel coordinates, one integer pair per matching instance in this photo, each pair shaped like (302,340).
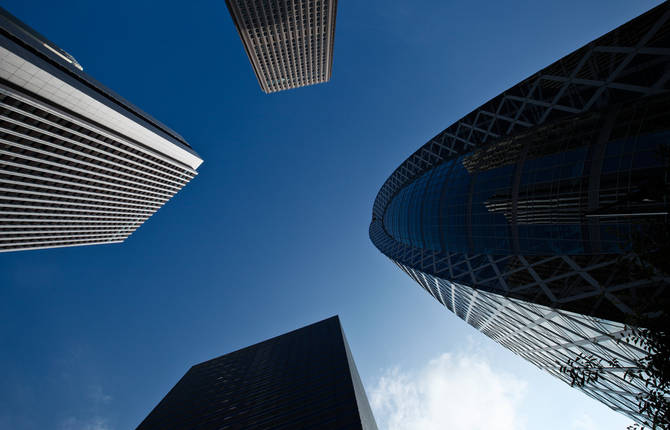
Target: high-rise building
(304,379)
(79,165)
(533,218)
(289,42)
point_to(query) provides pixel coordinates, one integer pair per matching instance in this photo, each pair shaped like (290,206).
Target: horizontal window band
(62,216)
(66,230)
(88,126)
(146,214)
(92,170)
(109,185)
(65,196)
(54,244)
(63,221)
(59,147)
(91,140)
(51,203)
(123,194)
(23,239)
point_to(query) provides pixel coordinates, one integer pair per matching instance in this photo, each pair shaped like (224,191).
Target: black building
(541,217)
(303,379)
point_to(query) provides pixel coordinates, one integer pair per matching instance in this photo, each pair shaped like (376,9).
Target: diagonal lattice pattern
(630,61)
(545,336)
(546,303)
(627,67)
(590,284)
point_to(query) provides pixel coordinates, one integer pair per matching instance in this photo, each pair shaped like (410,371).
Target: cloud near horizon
(96,423)
(98,396)
(452,391)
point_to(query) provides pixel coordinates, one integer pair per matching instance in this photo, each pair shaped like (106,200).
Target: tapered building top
(538,193)
(304,379)
(539,218)
(289,42)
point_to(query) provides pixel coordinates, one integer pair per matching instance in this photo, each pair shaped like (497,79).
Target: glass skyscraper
(79,165)
(304,379)
(527,217)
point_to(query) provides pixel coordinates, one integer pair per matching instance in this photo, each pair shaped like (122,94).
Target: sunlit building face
(79,165)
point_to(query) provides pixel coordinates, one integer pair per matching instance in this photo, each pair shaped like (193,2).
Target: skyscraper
(527,216)
(303,379)
(79,165)
(289,43)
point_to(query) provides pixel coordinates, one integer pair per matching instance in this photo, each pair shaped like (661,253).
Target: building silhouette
(79,165)
(289,43)
(525,217)
(303,379)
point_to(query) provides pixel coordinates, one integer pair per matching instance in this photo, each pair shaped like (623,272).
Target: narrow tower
(289,42)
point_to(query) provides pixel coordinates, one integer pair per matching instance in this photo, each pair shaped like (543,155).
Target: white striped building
(79,165)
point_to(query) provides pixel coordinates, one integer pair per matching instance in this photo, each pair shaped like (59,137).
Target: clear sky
(273,232)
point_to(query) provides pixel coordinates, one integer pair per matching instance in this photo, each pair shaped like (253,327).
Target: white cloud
(584,422)
(98,396)
(452,391)
(96,423)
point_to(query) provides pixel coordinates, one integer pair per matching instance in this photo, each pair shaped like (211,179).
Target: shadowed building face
(303,379)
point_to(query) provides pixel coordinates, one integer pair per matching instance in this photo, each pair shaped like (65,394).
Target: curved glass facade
(546,215)
(451,208)
(544,336)
(530,216)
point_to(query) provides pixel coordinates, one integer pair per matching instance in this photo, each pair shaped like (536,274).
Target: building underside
(79,165)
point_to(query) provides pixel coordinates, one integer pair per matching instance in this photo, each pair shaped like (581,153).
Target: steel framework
(630,60)
(546,337)
(627,63)
(545,308)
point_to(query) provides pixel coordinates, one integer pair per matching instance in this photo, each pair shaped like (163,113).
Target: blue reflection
(456,207)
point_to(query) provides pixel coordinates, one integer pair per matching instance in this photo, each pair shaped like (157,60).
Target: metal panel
(289,42)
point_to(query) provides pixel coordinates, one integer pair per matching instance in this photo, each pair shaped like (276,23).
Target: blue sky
(272,233)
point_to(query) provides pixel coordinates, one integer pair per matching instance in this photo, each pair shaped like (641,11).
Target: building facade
(532,217)
(79,165)
(303,379)
(289,43)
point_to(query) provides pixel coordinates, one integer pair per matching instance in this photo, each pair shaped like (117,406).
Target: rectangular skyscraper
(304,379)
(289,42)
(79,165)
